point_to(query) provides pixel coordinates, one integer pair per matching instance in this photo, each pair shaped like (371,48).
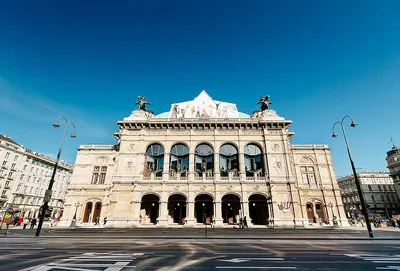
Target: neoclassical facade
(204,162)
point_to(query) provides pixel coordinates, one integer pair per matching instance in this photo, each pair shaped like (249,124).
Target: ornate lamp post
(73,222)
(360,194)
(48,193)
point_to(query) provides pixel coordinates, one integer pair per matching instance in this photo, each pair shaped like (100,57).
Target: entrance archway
(310,212)
(88,212)
(230,208)
(320,212)
(97,211)
(258,209)
(177,208)
(204,208)
(149,209)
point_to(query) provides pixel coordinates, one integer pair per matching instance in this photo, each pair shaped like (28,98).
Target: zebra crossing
(391,261)
(93,262)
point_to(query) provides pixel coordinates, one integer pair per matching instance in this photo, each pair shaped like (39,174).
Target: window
(4,164)
(369,187)
(13,166)
(29,178)
(10,175)
(7,185)
(95,175)
(308,175)
(19,187)
(22,177)
(4,192)
(36,191)
(16,158)
(25,167)
(7,155)
(31,190)
(379,187)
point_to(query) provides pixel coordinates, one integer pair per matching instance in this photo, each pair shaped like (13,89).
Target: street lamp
(360,194)
(73,222)
(48,193)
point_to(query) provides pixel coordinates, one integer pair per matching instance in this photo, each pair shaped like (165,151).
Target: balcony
(10,178)
(13,169)
(2,177)
(6,187)
(4,196)
(4,167)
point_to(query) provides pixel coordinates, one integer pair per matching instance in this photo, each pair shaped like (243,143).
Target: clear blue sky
(89,60)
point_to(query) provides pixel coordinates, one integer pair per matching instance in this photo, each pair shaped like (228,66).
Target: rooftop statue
(142,103)
(265,102)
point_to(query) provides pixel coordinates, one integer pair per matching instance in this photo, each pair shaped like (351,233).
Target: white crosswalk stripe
(93,262)
(385,259)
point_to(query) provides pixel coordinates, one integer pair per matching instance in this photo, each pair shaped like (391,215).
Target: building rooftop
(8,139)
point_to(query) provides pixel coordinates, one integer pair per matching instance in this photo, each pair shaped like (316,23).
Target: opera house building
(204,162)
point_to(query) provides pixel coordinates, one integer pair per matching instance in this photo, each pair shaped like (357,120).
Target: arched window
(154,159)
(204,160)
(373,198)
(179,160)
(379,187)
(253,160)
(369,187)
(228,160)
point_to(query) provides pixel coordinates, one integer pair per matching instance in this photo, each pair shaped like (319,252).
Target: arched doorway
(310,212)
(258,209)
(204,208)
(88,212)
(253,160)
(228,160)
(320,212)
(179,160)
(177,208)
(149,209)
(97,211)
(204,160)
(230,208)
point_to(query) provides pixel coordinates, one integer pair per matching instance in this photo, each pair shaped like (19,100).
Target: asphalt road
(118,252)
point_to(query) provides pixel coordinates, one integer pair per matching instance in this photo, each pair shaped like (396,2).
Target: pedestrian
(26,222)
(33,223)
(51,222)
(97,221)
(105,220)
(394,223)
(245,223)
(240,223)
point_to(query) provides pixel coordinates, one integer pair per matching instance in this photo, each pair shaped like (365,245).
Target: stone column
(190,220)
(136,213)
(246,213)
(242,172)
(163,217)
(165,173)
(219,222)
(216,166)
(191,166)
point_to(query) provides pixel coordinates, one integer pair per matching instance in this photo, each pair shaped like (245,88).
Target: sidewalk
(348,233)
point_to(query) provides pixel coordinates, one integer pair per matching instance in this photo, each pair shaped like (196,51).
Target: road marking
(242,253)
(240,260)
(389,268)
(256,267)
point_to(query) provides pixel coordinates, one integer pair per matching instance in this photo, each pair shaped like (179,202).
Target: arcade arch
(177,208)
(204,208)
(149,209)
(230,208)
(258,209)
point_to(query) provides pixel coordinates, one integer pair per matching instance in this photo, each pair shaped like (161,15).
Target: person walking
(26,222)
(105,220)
(245,223)
(33,223)
(97,221)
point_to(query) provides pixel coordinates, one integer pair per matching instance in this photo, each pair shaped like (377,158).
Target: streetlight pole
(48,193)
(73,222)
(360,194)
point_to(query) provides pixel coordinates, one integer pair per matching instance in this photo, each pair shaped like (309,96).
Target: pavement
(210,233)
(122,254)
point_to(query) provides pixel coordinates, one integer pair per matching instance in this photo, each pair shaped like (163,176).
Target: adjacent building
(24,178)
(204,162)
(393,164)
(379,193)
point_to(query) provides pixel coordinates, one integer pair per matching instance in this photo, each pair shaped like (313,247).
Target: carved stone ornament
(176,187)
(305,160)
(203,187)
(275,147)
(132,147)
(150,187)
(256,187)
(229,187)
(101,160)
(139,115)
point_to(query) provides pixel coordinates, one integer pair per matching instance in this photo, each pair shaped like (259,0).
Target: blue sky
(89,60)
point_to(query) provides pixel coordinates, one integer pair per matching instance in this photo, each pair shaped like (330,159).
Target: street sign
(47,195)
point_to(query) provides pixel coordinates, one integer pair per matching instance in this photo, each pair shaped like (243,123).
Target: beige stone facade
(204,161)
